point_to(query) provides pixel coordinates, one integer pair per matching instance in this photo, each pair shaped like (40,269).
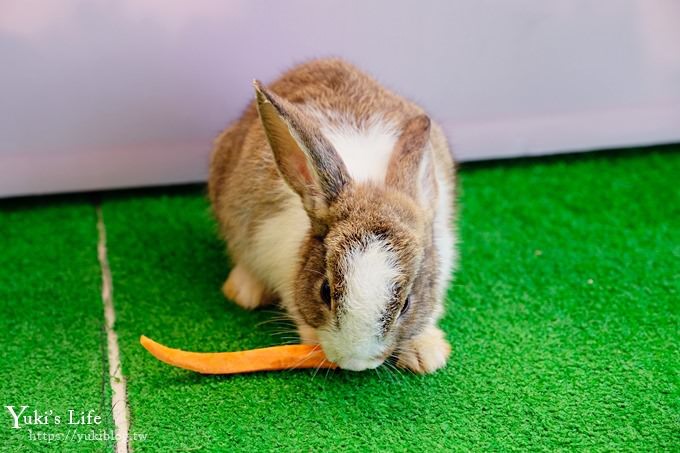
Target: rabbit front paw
(244,289)
(424,353)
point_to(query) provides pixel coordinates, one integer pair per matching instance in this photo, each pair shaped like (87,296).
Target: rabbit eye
(406,306)
(326,293)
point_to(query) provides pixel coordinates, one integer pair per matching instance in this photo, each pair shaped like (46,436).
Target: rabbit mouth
(359,364)
(353,361)
(352,355)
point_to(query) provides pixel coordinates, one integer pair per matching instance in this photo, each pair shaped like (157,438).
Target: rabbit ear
(308,162)
(411,165)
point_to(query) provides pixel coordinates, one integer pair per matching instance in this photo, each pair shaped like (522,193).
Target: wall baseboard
(34,173)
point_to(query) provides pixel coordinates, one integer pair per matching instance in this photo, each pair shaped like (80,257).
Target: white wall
(100,94)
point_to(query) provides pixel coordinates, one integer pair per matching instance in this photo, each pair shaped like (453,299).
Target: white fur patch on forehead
(371,271)
(365,149)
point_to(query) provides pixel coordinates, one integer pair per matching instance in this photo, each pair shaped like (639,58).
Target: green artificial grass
(52,355)
(563,319)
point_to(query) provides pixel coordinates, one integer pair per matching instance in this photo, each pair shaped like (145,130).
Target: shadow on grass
(383,375)
(25,203)
(568,158)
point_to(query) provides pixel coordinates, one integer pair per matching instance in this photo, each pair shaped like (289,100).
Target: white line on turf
(119,405)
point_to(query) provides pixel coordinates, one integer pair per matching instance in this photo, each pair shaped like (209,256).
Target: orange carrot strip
(266,359)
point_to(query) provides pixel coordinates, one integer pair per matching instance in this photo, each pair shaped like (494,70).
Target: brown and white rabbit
(335,196)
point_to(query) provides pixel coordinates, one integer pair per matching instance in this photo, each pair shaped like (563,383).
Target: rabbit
(336,198)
